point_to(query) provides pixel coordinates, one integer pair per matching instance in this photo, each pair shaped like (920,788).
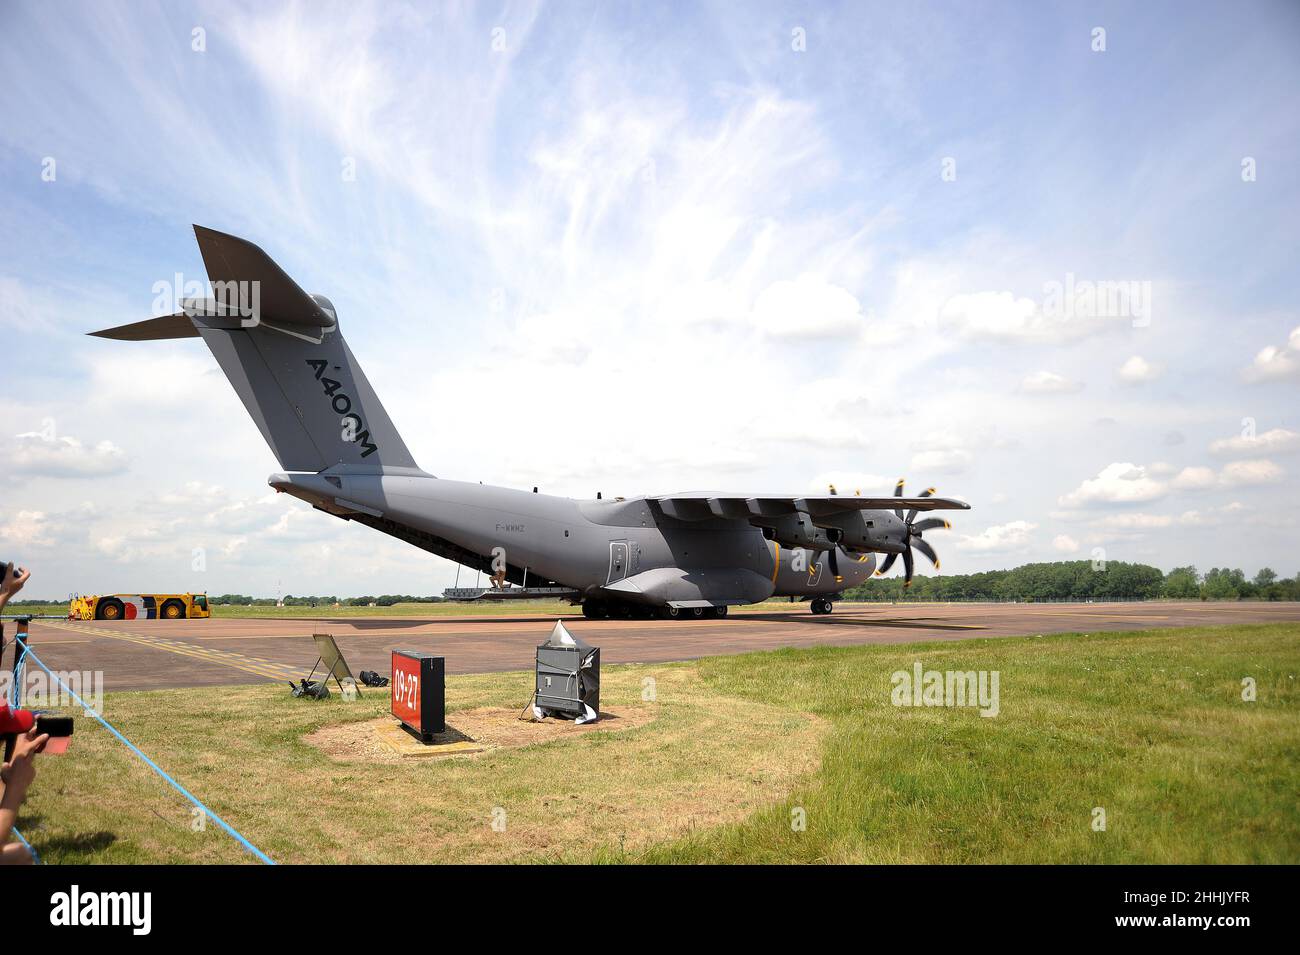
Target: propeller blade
(889,562)
(907,567)
(925,548)
(835,562)
(911,515)
(929,524)
(898,492)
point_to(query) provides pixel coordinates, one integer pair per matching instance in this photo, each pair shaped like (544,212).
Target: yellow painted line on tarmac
(265,668)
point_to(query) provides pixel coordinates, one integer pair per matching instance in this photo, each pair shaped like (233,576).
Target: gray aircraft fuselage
(616,549)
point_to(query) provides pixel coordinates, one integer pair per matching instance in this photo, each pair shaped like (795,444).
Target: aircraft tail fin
(282,350)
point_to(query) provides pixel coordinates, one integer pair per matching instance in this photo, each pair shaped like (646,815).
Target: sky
(1040,256)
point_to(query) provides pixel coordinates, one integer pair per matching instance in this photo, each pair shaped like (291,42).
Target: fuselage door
(617,561)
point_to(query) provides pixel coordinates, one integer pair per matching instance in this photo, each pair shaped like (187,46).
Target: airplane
(673,555)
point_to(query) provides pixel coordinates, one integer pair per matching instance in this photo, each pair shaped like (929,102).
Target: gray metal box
(568,676)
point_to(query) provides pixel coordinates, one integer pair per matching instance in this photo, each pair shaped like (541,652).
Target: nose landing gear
(821,605)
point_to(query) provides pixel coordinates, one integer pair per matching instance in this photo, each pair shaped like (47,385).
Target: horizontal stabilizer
(233,264)
(152,329)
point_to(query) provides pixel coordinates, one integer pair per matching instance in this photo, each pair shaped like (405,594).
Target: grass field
(1149,726)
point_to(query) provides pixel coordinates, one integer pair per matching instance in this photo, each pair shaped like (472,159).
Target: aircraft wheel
(696,612)
(594,609)
(670,613)
(720,612)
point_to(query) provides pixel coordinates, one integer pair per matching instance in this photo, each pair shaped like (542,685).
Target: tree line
(1079,580)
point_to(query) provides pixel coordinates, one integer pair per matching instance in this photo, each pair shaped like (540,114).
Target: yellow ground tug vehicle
(139,607)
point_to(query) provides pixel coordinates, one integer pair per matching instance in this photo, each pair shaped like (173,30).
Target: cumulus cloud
(1135,524)
(1233,474)
(1125,483)
(998,539)
(1049,383)
(941,452)
(1005,317)
(811,309)
(24,530)
(1138,370)
(1275,362)
(47,455)
(1065,544)
(941,461)
(1276,441)
(1118,483)
(1246,473)
(807,308)
(1196,478)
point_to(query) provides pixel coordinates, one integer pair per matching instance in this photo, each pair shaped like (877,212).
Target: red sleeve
(15,721)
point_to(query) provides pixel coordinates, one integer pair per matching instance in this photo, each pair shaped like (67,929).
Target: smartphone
(60,730)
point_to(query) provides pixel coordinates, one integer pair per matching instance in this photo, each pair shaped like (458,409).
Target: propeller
(835,551)
(913,530)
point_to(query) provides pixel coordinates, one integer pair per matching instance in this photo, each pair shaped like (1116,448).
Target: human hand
(20,771)
(12,580)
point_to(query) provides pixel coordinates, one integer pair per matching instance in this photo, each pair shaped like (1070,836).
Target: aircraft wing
(703,507)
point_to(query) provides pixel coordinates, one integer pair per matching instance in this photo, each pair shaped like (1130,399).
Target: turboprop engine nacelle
(795,530)
(864,530)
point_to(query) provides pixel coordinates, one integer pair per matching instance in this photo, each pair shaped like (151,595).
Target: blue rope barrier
(208,813)
(36,858)
(20,669)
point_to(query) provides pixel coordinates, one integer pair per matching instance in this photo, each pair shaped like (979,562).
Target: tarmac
(220,651)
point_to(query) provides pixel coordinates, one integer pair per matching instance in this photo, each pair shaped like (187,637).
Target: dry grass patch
(685,761)
(491,727)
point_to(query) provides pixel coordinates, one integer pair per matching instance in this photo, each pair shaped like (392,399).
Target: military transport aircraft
(670,554)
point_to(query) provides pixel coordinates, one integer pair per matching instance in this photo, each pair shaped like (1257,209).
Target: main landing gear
(595,609)
(821,605)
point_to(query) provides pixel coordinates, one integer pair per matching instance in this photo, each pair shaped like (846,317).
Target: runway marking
(254,665)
